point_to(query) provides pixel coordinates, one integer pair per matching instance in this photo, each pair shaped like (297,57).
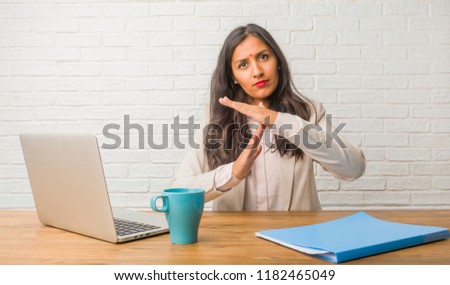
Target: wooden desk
(224,238)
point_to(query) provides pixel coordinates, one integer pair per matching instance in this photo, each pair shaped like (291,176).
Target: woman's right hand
(244,162)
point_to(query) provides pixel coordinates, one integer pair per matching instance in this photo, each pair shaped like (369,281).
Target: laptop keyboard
(124,227)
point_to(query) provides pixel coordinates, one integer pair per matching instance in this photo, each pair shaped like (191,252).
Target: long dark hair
(227,133)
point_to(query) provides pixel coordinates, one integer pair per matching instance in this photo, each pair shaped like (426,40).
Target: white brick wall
(381,66)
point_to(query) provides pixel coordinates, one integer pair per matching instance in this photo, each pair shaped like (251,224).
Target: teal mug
(183,208)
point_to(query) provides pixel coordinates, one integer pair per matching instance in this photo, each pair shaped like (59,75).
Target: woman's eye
(263,56)
(243,65)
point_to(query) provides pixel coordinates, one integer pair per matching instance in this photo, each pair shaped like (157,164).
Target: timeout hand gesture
(258,112)
(264,117)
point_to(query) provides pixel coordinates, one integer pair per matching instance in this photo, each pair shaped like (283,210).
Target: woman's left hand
(258,112)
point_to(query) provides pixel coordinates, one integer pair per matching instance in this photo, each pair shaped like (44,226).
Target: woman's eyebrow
(256,54)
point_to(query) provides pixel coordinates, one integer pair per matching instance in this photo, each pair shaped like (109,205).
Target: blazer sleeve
(194,172)
(324,145)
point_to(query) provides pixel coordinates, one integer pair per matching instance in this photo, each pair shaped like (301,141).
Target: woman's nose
(257,70)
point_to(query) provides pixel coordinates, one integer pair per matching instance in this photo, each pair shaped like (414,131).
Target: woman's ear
(234,79)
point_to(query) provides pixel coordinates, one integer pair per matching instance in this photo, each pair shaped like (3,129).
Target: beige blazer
(298,187)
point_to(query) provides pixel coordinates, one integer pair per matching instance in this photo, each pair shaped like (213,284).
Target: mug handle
(165,203)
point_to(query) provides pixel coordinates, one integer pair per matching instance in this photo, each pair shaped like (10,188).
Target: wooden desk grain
(224,238)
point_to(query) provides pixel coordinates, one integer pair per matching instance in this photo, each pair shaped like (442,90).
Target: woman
(262,136)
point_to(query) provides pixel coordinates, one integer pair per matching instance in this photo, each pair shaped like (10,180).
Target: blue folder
(352,237)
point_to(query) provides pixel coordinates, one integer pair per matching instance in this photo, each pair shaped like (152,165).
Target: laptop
(70,193)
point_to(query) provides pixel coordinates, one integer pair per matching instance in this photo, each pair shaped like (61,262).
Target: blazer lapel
(240,195)
(287,167)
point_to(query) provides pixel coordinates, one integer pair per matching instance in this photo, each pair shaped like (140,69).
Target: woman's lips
(261,83)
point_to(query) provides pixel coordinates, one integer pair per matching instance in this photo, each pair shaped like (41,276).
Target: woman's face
(255,68)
